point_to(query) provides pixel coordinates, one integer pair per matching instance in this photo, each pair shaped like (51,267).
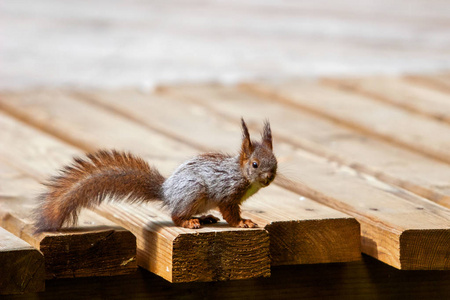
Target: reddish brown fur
(232,214)
(88,182)
(247,145)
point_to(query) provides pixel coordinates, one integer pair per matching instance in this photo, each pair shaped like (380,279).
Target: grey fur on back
(202,183)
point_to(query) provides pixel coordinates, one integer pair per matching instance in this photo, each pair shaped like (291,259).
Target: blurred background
(99,43)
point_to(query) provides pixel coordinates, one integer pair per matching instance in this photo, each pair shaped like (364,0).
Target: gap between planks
(439,82)
(363,114)
(399,91)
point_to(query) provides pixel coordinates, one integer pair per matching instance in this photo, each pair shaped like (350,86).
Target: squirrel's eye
(255,164)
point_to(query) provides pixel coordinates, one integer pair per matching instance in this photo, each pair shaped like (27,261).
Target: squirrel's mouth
(267,179)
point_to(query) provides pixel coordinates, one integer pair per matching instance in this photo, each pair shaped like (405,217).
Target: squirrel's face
(258,163)
(261,166)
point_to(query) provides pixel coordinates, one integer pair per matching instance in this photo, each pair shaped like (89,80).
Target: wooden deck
(365,165)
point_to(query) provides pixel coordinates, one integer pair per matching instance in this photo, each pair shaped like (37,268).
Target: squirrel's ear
(267,135)
(247,146)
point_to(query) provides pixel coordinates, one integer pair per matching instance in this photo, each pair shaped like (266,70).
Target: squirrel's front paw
(247,223)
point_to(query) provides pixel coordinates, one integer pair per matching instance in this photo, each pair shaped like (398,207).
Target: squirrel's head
(258,163)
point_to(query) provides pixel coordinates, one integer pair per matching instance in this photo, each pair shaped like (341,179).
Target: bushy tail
(87,182)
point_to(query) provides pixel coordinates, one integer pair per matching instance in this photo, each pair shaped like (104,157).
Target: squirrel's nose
(268,177)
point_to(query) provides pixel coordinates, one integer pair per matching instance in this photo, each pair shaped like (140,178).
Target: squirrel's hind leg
(209,219)
(194,222)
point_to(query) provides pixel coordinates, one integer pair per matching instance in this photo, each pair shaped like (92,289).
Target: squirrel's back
(87,182)
(203,182)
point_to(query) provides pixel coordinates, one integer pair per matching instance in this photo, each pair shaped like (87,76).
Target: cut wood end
(22,264)
(314,241)
(77,254)
(222,255)
(425,249)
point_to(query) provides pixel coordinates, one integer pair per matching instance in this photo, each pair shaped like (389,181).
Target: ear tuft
(247,146)
(245,134)
(267,135)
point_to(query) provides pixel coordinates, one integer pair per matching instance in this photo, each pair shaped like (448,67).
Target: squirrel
(207,181)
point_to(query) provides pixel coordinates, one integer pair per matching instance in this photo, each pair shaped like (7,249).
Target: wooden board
(22,266)
(96,248)
(293,225)
(439,81)
(212,253)
(364,114)
(399,92)
(380,208)
(161,246)
(390,163)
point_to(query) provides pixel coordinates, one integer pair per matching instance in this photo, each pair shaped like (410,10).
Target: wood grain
(399,92)
(96,248)
(48,110)
(388,162)
(387,214)
(294,226)
(22,266)
(185,255)
(364,114)
(386,219)
(161,246)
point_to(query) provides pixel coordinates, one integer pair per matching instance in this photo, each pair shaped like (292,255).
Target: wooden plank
(415,172)
(439,82)
(176,254)
(293,225)
(400,92)
(96,248)
(307,221)
(211,253)
(22,266)
(101,131)
(361,113)
(393,228)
